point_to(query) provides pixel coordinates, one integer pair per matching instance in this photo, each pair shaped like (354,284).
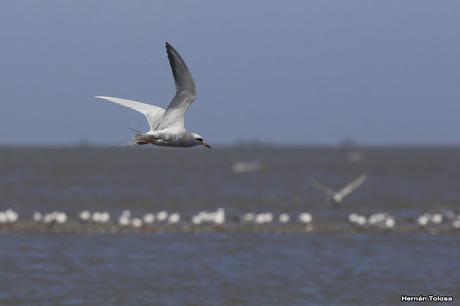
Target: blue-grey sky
(288,72)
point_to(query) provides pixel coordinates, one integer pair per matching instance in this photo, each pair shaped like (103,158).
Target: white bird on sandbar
(167,126)
(338,197)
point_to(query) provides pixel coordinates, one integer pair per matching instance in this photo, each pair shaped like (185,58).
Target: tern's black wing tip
(170,48)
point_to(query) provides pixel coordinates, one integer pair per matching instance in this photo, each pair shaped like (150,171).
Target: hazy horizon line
(349,146)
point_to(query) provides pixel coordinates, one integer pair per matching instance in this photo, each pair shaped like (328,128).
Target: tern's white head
(200,140)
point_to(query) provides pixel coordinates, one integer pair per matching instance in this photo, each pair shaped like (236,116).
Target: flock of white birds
(376,220)
(428,219)
(127,218)
(217,217)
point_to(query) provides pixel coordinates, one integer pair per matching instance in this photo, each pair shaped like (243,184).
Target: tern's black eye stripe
(199,139)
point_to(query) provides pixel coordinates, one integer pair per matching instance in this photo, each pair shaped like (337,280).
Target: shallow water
(227,267)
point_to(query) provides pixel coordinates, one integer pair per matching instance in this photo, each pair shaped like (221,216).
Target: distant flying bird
(247,167)
(354,157)
(338,197)
(167,126)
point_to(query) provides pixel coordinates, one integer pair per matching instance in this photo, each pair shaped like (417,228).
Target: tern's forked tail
(140,138)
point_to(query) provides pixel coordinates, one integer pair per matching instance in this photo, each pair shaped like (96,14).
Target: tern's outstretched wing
(353,185)
(151,112)
(185,92)
(324,189)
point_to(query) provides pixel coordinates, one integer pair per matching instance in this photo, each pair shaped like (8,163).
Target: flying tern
(338,197)
(167,125)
